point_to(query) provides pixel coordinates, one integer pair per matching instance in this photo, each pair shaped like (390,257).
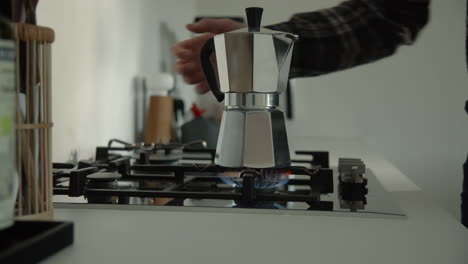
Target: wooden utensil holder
(34,121)
(159,120)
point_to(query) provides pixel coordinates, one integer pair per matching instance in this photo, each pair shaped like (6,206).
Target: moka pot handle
(208,69)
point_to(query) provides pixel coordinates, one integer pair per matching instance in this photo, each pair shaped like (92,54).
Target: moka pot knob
(254,18)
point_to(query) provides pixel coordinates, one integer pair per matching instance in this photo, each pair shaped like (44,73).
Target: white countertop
(428,235)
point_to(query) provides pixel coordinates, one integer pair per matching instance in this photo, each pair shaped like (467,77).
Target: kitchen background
(408,108)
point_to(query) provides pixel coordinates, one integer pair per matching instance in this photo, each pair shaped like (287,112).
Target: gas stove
(184,177)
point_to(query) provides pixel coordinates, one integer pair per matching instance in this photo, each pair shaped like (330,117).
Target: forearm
(353,33)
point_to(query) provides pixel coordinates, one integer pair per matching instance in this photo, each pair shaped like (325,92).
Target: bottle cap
(197,112)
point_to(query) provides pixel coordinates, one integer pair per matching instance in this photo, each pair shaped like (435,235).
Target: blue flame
(270,179)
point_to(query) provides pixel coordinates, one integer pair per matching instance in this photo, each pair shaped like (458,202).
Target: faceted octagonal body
(250,62)
(253,138)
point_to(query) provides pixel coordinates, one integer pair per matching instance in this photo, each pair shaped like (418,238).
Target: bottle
(8,177)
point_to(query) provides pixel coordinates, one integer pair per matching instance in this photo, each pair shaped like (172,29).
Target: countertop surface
(428,235)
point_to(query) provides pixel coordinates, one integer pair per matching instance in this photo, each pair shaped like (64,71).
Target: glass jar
(8,177)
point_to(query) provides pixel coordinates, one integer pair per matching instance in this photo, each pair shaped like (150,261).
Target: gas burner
(264,178)
(103,177)
(184,181)
(155,153)
(157,147)
(162,158)
(102,180)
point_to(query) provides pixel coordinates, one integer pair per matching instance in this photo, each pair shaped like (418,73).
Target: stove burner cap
(103,176)
(266,179)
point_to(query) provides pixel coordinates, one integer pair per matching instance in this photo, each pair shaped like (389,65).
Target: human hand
(187,52)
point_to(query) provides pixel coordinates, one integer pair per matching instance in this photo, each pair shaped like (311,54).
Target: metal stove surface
(377,202)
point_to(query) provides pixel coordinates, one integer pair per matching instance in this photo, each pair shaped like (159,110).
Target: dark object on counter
(32,241)
(179,108)
(464,195)
(179,117)
(200,129)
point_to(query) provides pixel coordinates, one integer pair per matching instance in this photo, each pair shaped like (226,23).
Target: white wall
(100,47)
(408,107)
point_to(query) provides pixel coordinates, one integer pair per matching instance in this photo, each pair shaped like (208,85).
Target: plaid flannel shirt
(353,33)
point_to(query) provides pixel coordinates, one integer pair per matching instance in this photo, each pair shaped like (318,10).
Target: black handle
(208,70)
(254,18)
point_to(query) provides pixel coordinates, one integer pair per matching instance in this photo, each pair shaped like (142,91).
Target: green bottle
(8,177)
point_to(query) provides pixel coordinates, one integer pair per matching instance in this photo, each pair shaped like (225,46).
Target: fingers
(182,67)
(202,26)
(190,49)
(187,52)
(215,26)
(194,78)
(202,87)
(196,42)
(182,53)
(188,65)
(205,25)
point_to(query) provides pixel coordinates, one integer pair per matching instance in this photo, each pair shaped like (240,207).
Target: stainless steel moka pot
(253,69)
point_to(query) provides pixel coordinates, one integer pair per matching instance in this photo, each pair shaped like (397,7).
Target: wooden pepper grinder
(160,112)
